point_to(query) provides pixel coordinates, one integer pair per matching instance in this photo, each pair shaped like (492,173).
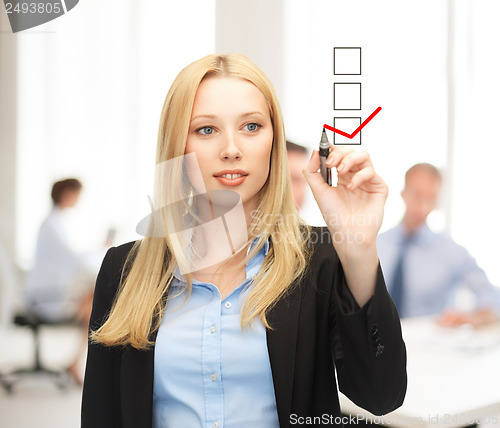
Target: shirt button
(215,425)
(227,305)
(254,276)
(212,329)
(213,376)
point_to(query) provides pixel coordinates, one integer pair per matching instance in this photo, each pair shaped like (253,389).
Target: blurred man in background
(297,158)
(59,288)
(423,269)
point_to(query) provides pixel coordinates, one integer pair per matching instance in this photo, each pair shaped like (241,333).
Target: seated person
(423,269)
(60,285)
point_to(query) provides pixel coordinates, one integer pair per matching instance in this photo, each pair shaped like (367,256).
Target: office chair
(60,377)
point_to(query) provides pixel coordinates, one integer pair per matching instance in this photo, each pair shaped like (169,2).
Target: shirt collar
(254,242)
(422,232)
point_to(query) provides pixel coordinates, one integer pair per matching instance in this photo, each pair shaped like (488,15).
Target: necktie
(397,289)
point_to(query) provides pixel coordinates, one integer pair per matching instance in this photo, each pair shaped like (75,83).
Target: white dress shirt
(60,275)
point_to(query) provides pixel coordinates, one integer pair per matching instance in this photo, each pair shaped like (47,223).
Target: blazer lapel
(281,344)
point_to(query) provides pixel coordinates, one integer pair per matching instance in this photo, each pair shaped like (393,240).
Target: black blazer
(317,328)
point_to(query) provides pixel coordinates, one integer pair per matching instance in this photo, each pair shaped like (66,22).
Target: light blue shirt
(207,372)
(434,268)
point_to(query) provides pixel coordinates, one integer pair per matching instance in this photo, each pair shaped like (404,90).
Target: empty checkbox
(349,125)
(347,96)
(347,61)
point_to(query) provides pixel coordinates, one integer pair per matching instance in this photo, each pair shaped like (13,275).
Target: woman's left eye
(205,130)
(252,127)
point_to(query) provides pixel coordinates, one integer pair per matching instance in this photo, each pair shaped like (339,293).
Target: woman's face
(231,133)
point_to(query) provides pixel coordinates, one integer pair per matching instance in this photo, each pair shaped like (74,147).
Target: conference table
(453,378)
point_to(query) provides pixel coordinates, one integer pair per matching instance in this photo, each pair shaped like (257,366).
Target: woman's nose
(230,148)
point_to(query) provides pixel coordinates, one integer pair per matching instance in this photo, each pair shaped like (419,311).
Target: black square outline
(347,83)
(335,134)
(347,74)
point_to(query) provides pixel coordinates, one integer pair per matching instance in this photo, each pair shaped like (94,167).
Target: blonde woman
(253,340)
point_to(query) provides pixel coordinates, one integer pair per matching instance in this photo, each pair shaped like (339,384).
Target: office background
(81,96)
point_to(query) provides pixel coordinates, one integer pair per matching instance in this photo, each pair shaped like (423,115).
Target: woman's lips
(231,182)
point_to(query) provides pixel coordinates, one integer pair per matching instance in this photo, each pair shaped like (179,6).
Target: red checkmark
(359,128)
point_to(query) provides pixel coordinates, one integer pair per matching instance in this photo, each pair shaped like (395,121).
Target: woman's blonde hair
(148,272)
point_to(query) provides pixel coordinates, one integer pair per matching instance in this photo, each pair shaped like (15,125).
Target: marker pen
(324,151)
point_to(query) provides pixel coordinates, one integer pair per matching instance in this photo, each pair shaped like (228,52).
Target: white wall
(255,29)
(475,203)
